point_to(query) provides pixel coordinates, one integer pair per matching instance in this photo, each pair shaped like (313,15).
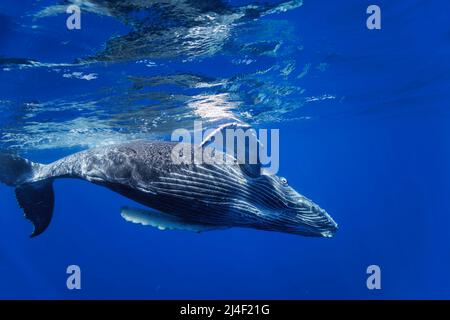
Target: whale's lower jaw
(297,230)
(165,221)
(162,221)
(194,214)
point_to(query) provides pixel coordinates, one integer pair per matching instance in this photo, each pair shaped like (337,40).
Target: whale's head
(281,208)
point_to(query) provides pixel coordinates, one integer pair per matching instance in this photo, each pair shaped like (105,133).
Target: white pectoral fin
(162,221)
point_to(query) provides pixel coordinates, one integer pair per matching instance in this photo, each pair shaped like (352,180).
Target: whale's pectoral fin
(37,201)
(163,221)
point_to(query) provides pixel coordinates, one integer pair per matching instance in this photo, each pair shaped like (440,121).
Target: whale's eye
(284,181)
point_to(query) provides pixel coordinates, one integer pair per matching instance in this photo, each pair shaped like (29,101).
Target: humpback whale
(196,197)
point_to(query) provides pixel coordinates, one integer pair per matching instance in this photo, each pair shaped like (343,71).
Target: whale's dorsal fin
(252,169)
(163,221)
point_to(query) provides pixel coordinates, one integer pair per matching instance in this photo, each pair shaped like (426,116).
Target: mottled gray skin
(210,194)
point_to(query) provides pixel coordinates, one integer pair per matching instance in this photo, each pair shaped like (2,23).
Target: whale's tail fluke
(36,198)
(15,170)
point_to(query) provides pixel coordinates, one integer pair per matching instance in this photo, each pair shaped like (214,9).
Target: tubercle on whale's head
(283,209)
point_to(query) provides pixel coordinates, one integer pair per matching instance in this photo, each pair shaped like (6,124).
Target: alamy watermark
(229,144)
(74,20)
(374,280)
(374,20)
(74,278)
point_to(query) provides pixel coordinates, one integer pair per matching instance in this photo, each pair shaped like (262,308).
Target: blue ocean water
(364,126)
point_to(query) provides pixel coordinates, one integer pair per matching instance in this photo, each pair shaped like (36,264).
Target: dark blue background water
(376,159)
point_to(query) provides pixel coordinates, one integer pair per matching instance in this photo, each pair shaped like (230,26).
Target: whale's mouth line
(302,230)
(326,231)
(319,223)
(313,223)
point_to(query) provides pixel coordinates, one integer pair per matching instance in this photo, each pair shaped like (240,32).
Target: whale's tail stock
(35,197)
